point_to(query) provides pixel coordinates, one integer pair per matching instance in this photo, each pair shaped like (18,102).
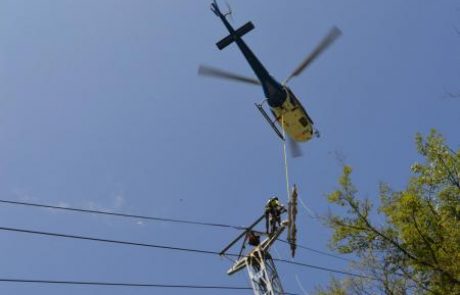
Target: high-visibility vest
(272,203)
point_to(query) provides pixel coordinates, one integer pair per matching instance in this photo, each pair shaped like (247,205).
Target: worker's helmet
(275,198)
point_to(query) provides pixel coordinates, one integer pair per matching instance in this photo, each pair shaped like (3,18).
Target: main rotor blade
(217,73)
(333,34)
(294,148)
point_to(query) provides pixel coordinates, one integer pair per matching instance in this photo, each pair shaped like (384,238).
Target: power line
(153,218)
(324,268)
(118,284)
(173,248)
(316,251)
(78,237)
(125,215)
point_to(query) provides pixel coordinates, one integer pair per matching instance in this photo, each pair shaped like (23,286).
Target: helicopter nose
(276,99)
(275,95)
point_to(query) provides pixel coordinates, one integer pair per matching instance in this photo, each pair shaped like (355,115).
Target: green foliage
(335,288)
(417,249)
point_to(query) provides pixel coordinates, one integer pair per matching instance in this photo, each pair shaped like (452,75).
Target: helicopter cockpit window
(303,121)
(292,97)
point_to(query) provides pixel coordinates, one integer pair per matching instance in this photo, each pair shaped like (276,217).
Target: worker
(273,210)
(253,238)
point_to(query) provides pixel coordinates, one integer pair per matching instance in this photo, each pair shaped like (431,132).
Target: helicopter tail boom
(246,28)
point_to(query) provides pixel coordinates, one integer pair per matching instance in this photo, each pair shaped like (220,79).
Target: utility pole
(261,269)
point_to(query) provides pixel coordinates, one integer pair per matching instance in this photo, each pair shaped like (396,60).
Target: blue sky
(101,107)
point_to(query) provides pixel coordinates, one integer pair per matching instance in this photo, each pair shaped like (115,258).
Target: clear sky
(101,107)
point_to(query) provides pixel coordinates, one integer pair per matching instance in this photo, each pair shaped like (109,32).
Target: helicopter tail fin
(249,26)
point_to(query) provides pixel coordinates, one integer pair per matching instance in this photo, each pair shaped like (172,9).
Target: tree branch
(398,246)
(428,244)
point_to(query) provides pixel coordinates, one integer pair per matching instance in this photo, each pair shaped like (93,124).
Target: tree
(417,248)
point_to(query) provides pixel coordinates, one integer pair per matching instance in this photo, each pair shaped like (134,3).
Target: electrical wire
(173,248)
(324,268)
(118,284)
(125,215)
(316,251)
(153,218)
(78,237)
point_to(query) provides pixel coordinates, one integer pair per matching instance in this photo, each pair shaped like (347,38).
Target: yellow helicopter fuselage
(293,118)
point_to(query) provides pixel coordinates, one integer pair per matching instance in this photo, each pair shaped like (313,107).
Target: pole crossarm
(242,234)
(262,248)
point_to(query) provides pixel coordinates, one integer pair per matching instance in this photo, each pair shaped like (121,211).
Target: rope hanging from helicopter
(286,168)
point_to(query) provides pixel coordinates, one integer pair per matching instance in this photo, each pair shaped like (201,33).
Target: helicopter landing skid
(269,121)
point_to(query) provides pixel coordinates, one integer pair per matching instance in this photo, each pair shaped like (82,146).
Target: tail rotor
(229,13)
(215,8)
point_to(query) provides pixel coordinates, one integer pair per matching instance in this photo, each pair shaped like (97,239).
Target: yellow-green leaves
(420,235)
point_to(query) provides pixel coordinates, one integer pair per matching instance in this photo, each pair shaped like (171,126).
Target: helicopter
(285,107)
